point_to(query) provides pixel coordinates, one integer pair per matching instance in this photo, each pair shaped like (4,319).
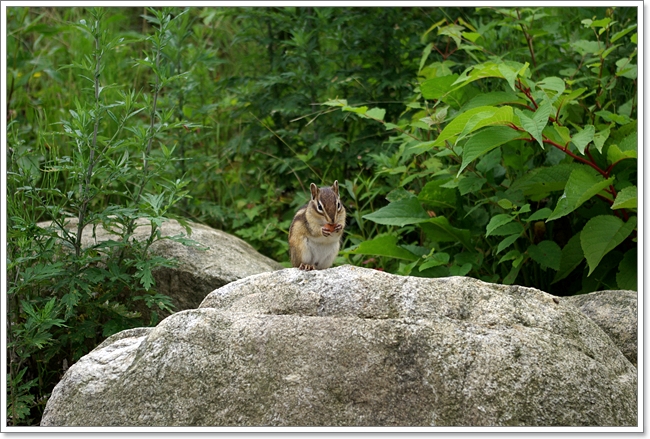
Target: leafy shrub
(508,178)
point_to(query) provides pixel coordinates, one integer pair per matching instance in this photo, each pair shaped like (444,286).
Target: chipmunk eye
(338,205)
(319,207)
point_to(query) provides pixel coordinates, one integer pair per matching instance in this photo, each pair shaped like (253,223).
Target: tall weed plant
(105,164)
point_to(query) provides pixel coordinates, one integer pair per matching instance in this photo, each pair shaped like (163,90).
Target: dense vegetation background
(495,143)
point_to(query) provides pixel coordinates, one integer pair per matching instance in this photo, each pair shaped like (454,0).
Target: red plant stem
(526,91)
(576,157)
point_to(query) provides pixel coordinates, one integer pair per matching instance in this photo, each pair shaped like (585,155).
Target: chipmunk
(316,229)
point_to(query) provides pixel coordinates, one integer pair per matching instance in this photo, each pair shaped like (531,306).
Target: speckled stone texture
(615,311)
(356,347)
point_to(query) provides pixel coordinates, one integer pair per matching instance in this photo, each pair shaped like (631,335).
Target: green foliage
(531,157)
(103,164)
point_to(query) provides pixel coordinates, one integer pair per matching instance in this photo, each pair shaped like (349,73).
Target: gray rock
(199,271)
(355,347)
(615,311)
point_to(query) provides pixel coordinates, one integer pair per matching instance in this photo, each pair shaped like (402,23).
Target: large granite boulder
(355,347)
(219,259)
(615,311)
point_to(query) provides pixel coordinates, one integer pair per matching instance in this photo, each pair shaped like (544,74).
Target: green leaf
(600,138)
(434,195)
(572,256)
(626,198)
(626,276)
(540,181)
(384,245)
(336,103)
(535,125)
(491,116)
(553,83)
(438,229)
(546,254)
(512,275)
(512,255)
(601,235)
(541,214)
(399,213)
(507,242)
(581,186)
(461,270)
(435,260)
(399,193)
(471,183)
(425,55)
(376,113)
(508,229)
(493,98)
(497,221)
(614,154)
(582,139)
(436,88)
(485,141)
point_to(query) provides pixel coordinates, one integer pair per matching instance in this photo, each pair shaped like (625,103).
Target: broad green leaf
(546,254)
(544,180)
(471,36)
(626,198)
(507,242)
(626,276)
(497,221)
(506,70)
(601,235)
(512,255)
(436,88)
(553,83)
(608,116)
(433,194)
(505,203)
(622,33)
(508,229)
(535,125)
(614,154)
(485,141)
(563,132)
(358,110)
(501,115)
(493,98)
(470,184)
(509,75)
(572,256)
(600,138)
(438,229)
(462,270)
(435,260)
(582,139)
(541,214)
(585,47)
(581,186)
(384,245)
(376,113)
(399,193)
(399,213)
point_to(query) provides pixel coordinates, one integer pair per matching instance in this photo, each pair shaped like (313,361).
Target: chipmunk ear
(335,187)
(314,191)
